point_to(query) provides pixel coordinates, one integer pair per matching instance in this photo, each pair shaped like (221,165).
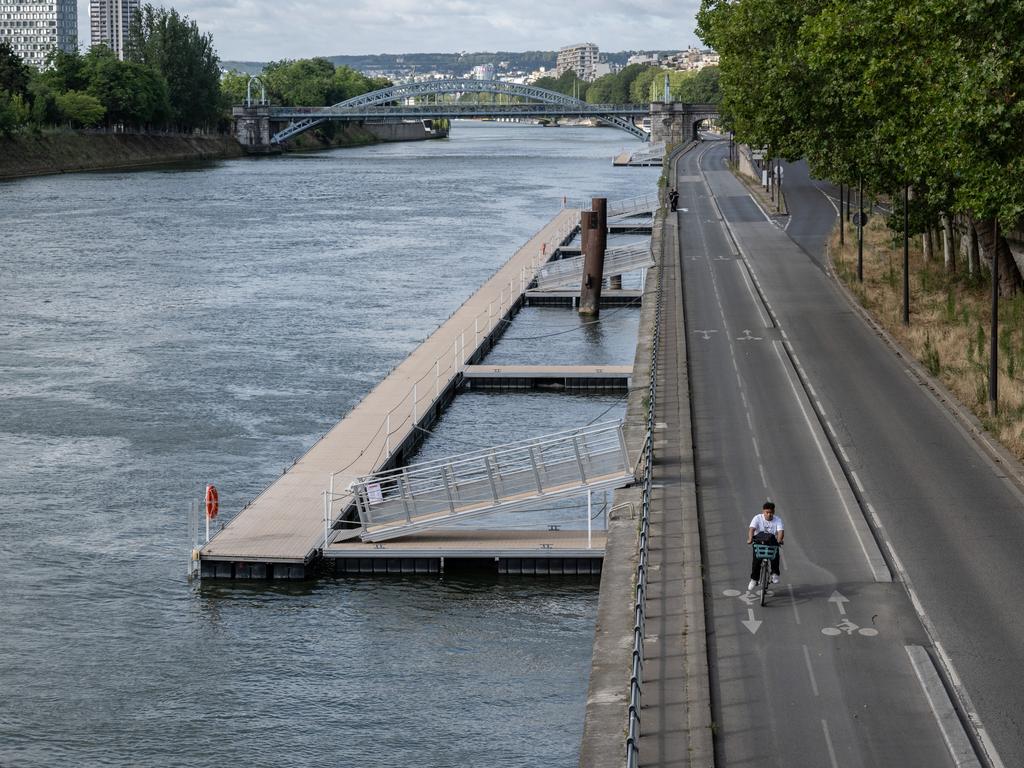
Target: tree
(15,74)
(175,48)
(131,93)
(13,112)
(82,110)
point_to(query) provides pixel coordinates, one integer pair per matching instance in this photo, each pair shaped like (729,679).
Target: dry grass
(950,319)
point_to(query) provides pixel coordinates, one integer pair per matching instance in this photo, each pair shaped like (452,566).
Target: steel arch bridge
(542,102)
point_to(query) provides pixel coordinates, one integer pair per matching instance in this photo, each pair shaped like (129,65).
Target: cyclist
(765,528)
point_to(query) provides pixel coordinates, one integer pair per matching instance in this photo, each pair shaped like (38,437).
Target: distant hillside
(456,64)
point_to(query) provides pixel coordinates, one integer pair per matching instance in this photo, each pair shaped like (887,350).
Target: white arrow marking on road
(707,333)
(752,624)
(839,599)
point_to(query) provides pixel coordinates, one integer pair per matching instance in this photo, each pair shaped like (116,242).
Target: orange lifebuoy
(212,504)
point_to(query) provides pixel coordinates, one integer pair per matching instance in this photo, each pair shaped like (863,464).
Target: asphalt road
(796,399)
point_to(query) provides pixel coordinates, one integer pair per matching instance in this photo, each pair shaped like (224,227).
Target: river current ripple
(165,328)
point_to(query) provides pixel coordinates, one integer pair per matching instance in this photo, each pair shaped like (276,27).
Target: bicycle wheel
(765,570)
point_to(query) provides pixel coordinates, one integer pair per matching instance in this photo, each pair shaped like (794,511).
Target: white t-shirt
(762,525)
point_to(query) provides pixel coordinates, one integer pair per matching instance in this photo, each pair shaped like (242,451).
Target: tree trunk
(927,245)
(973,266)
(948,253)
(1009,274)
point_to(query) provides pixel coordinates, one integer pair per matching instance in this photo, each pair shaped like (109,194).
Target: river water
(165,328)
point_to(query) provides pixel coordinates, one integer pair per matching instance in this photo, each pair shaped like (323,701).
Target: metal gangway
(617,261)
(631,206)
(411,499)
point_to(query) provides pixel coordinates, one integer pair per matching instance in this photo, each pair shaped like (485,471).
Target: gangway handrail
(459,458)
(396,502)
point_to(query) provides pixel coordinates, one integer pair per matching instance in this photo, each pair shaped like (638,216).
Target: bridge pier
(671,123)
(252,129)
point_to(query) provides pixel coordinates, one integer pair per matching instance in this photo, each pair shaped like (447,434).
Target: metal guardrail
(631,206)
(409,499)
(640,593)
(617,261)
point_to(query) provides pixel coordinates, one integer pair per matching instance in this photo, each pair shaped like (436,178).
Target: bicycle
(765,553)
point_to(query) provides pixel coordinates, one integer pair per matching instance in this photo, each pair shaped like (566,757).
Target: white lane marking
(745,272)
(763,213)
(947,663)
(830,199)
(828,743)
(751,623)
(825,461)
(792,600)
(856,481)
(810,671)
(838,598)
(953,734)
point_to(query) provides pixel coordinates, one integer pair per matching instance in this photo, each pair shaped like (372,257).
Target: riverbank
(69,151)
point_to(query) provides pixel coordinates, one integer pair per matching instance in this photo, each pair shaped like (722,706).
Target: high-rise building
(581,58)
(33,29)
(109,21)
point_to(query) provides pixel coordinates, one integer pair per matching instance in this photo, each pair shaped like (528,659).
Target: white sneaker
(775,578)
(751,586)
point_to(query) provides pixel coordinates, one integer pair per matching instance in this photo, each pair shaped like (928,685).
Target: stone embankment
(71,151)
(67,152)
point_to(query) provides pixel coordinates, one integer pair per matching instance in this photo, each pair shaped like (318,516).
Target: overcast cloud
(265,30)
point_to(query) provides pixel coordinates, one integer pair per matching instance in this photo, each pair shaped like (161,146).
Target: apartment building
(108,23)
(34,29)
(581,58)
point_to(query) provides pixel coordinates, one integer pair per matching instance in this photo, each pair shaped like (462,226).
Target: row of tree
(306,83)
(638,84)
(925,93)
(169,80)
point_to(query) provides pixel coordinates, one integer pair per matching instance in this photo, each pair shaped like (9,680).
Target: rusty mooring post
(593,255)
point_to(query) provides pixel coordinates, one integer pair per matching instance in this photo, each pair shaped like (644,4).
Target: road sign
(860,219)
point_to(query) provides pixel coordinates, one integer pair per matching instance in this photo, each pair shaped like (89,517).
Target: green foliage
(950,307)
(14,73)
(130,93)
(315,83)
(81,110)
(569,84)
(615,88)
(925,92)
(173,46)
(13,112)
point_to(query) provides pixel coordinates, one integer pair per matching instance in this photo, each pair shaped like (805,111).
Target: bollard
(594,234)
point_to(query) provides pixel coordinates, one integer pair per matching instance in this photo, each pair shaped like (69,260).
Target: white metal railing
(400,501)
(628,207)
(617,261)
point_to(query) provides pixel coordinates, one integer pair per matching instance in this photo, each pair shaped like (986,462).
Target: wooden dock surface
(285,523)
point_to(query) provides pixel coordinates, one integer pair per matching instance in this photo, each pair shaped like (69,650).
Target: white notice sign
(373,492)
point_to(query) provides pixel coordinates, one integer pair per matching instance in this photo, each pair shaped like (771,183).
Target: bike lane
(831,671)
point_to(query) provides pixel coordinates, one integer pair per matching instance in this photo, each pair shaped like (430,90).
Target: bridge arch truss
(369,104)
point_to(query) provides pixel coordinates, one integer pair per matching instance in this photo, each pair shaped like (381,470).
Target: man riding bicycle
(765,528)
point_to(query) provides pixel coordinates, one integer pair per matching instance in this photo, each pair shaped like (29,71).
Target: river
(166,328)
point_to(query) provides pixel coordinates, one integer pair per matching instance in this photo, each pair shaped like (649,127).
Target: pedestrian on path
(673,199)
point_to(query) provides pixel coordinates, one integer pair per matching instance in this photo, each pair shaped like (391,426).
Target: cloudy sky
(264,30)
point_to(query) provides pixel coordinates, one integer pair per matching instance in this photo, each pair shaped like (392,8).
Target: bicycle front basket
(765,551)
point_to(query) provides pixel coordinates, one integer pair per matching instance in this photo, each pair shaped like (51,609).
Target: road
(795,398)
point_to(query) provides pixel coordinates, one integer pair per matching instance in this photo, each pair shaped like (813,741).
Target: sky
(267,30)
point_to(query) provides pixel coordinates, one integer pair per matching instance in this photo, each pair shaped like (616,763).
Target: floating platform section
(568,377)
(610,297)
(282,529)
(552,552)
